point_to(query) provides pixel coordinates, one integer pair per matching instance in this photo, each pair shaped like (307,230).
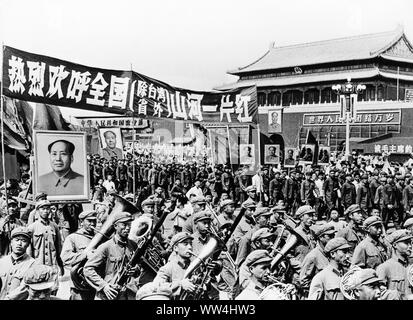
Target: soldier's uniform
(351,233)
(199,240)
(393,271)
(107,260)
(309,242)
(71,255)
(12,270)
(369,253)
(326,284)
(316,260)
(173,271)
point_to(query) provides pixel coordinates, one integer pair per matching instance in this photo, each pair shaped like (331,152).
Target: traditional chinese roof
(389,45)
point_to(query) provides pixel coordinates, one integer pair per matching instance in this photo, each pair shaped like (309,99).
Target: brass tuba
(347,282)
(197,271)
(292,241)
(105,232)
(140,232)
(278,290)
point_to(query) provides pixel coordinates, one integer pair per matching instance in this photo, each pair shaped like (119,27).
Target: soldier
(393,271)
(330,188)
(364,198)
(261,217)
(408,196)
(326,284)
(46,243)
(40,281)
(353,233)
(262,239)
(370,252)
(348,192)
(7,224)
(172,273)
(246,224)
(251,192)
(198,204)
(292,192)
(276,188)
(14,266)
(109,258)
(316,260)
(308,188)
(306,215)
(202,221)
(227,212)
(72,251)
(244,182)
(258,264)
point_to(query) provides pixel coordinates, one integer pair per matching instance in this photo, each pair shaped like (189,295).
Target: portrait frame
(303,153)
(275,127)
(289,164)
(323,158)
(103,145)
(267,160)
(43,171)
(247,154)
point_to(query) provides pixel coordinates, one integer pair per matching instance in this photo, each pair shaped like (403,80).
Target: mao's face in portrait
(110,139)
(60,158)
(274,117)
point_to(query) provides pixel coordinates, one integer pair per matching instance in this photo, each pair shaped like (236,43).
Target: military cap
(21,231)
(370,221)
(364,277)
(306,209)
(383,179)
(70,146)
(122,217)
(352,209)
(320,230)
(261,234)
(128,196)
(89,214)
(202,215)
(226,203)
(148,202)
(262,211)
(40,196)
(250,189)
(258,257)
(154,291)
(179,237)
(198,199)
(335,244)
(364,176)
(399,235)
(249,204)
(408,223)
(42,203)
(111,192)
(40,277)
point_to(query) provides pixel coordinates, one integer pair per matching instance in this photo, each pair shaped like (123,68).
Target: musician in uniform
(201,235)
(316,260)
(261,217)
(262,239)
(353,233)
(14,266)
(306,214)
(72,251)
(227,212)
(172,273)
(326,284)
(198,204)
(370,252)
(40,281)
(7,224)
(109,259)
(258,263)
(393,271)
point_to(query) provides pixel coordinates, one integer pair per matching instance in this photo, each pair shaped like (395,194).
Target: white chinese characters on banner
(118,92)
(36,77)
(97,90)
(56,76)
(392,148)
(16,75)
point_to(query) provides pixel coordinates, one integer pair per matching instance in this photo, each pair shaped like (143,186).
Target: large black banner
(42,79)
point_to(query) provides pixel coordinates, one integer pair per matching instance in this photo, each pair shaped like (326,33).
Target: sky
(187,43)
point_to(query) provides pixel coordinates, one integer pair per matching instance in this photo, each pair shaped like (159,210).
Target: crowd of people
(202,231)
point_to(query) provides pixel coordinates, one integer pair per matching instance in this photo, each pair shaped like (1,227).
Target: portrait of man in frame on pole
(307,153)
(60,165)
(247,154)
(111,143)
(290,157)
(324,155)
(272,154)
(274,121)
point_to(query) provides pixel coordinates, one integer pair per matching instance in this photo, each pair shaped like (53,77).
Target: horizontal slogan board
(43,79)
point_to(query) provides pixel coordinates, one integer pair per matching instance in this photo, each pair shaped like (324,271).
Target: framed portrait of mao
(111,143)
(60,165)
